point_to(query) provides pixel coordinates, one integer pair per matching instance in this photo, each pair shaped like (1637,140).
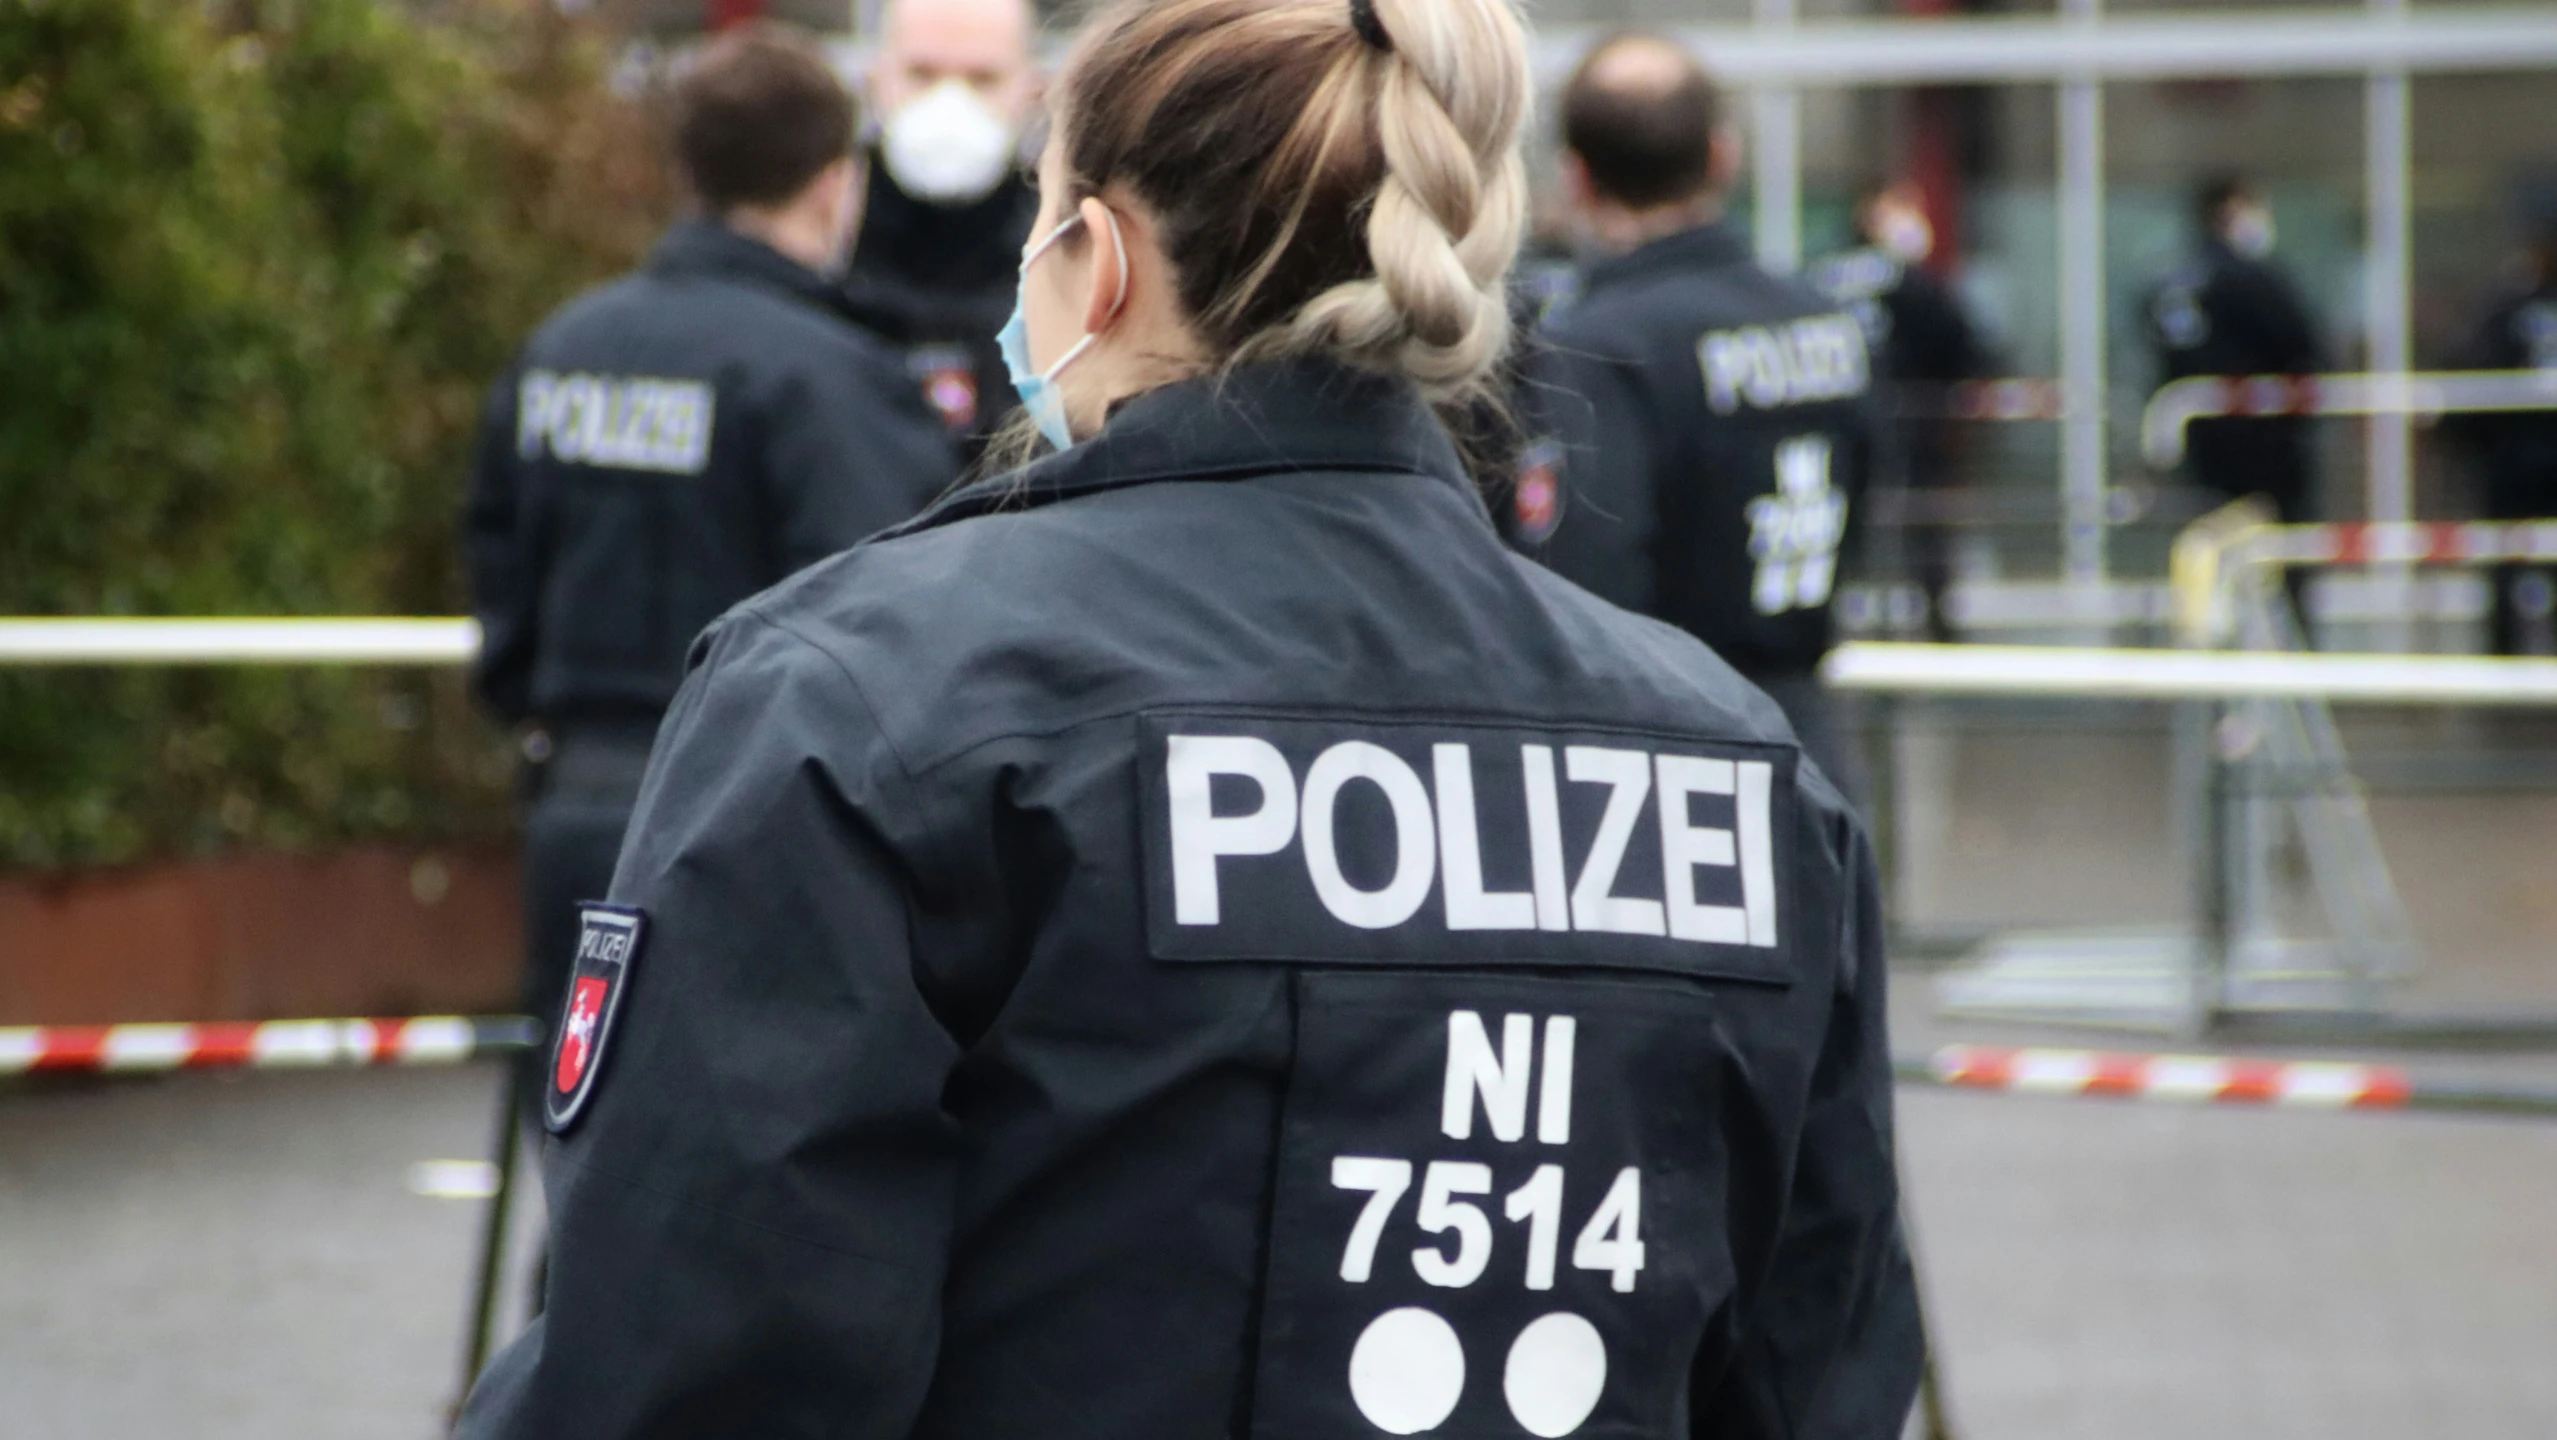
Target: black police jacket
(662,448)
(1196,939)
(941,281)
(2223,314)
(1706,436)
(2516,451)
(1920,342)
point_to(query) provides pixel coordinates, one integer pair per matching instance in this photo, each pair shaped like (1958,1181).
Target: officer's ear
(1578,188)
(1722,160)
(1108,237)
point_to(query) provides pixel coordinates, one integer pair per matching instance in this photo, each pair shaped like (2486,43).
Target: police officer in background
(2516,452)
(673,442)
(948,206)
(1922,344)
(1195,938)
(1705,426)
(2231,311)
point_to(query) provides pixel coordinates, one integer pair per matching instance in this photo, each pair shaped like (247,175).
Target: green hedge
(258,262)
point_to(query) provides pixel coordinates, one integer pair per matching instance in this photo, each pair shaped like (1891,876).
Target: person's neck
(798,232)
(1621,229)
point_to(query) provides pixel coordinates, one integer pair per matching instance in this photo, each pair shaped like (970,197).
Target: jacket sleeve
(750,1222)
(849,449)
(499,551)
(1834,1345)
(1589,410)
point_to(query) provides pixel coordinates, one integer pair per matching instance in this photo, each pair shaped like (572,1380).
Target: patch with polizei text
(1448,843)
(608,940)
(1499,1207)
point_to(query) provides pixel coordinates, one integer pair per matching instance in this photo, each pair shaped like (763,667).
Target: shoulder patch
(608,939)
(1538,494)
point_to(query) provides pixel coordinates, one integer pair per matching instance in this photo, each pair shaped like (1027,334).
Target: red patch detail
(952,389)
(577,1045)
(1537,499)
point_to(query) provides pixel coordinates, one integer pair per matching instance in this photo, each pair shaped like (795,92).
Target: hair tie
(1370,29)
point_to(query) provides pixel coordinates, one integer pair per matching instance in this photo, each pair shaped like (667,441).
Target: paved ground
(240,1258)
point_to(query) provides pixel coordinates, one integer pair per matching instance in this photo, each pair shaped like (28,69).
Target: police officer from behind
(2516,452)
(673,442)
(1705,418)
(948,204)
(2231,310)
(1922,344)
(1194,937)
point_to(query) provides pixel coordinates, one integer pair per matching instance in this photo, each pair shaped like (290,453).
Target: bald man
(1699,425)
(949,204)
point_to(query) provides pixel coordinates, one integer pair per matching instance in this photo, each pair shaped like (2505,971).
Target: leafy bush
(257,264)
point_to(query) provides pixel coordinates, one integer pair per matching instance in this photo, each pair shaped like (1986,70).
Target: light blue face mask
(1037,388)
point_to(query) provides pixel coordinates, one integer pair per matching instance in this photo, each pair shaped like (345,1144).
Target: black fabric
(700,429)
(1672,493)
(921,1119)
(941,280)
(2514,454)
(2223,314)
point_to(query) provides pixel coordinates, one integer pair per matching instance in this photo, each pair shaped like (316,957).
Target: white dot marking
(1557,1370)
(1406,1371)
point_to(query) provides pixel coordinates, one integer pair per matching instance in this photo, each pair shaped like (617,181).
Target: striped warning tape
(2212,1080)
(272,1044)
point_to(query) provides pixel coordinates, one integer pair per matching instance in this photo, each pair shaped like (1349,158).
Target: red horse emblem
(577,1046)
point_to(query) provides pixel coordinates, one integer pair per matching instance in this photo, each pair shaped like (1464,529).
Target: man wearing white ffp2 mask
(948,206)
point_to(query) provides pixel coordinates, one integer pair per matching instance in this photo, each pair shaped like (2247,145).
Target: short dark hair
(758,115)
(1643,146)
(2215,195)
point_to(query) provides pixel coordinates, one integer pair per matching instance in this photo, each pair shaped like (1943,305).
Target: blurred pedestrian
(2516,452)
(671,443)
(1703,420)
(1922,344)
(948,204)
(2231,310)
(1193,938)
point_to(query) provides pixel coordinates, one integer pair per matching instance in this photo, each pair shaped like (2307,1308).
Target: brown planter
(374,931)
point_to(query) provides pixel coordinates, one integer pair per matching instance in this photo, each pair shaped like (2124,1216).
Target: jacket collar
(1285,417)
(1707,247)
(706,247)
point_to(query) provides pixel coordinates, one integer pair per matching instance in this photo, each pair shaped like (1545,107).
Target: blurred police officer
(948,205)
(2231,310)
(673,442)
(1194,938)
(1922,344)
(2516,452)
(1705,418)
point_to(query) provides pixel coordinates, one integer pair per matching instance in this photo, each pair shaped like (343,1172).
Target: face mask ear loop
(1118,240)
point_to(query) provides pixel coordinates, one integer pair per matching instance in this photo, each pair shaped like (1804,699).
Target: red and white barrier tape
(2198,1079)
(272,1044)
(2482,542)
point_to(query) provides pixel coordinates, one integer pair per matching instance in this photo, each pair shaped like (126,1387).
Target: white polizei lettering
(1460,853)
(1553,1099)
(635,423)
(1200,835)
(1501,1080)
(1545,838)
(1415,846)
(1820,357)
(1593,905)
(1684,846)
(1757,850)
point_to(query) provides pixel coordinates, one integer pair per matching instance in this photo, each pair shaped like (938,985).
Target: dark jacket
(664,447)
(2516,451)
(1921,343)
(1707,438)
(2223,314)
(941,280)
(1053,1010)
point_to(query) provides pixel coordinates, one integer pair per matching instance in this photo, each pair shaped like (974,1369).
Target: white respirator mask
(2250,232)
(947,146)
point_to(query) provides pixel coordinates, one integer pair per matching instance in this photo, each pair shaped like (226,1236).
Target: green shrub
(257,264)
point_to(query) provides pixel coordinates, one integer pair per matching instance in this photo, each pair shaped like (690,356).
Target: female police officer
(1192,938)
